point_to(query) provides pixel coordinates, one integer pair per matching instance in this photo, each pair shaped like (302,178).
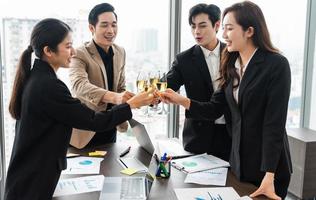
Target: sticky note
(97,153)
(128,171)
(94,154)
(102,153)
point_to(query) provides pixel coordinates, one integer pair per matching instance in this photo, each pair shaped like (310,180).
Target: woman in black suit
(255,86)
(46,113)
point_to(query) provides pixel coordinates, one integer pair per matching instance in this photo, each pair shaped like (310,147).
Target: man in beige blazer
(97,73)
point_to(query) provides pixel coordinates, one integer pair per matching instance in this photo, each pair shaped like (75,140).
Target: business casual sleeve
(174,76)
(81,85)
(275,114)
(121,87)
(211,110)
(61,106)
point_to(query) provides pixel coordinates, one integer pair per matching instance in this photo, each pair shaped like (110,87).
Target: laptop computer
(142,136)
(126,188)
(171,146)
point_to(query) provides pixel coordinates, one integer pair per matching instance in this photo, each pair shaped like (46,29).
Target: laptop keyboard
(132,188)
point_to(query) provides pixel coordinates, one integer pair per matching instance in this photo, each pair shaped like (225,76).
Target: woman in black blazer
(255,86)
(46,113)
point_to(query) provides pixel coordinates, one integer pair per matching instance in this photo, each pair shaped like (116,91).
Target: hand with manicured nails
(267,187)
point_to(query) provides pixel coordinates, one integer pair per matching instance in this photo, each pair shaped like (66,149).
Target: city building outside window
(287,32)
(142,31)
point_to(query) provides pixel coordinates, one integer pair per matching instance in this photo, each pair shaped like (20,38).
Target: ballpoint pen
(125,151)
(123,163)
(164,157)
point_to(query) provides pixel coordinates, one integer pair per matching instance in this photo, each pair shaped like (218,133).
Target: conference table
(161,188)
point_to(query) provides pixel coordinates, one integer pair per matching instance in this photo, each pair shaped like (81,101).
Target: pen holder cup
(163,170)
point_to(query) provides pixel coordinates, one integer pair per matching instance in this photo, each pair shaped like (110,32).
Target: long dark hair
(247,14)
(48,32)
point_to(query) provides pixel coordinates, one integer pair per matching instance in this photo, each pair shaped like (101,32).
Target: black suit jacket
(190,69)
(259,139)
(43,132)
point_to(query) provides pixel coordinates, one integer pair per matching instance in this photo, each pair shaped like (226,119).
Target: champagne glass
(162,86)
(153,80)
(141,82)
(142,86)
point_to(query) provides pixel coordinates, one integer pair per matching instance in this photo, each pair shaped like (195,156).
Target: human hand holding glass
(170,96)
(153,80)
(162,86)
(141,99)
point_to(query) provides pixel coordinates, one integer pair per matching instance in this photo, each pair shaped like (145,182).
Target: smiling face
(203,31)
(104,32)
(62,57)
(236,38)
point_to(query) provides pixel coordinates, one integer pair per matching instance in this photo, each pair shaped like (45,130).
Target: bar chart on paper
(220,193)
(79,185)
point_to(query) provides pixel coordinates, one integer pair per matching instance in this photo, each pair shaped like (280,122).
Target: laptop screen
(142,136)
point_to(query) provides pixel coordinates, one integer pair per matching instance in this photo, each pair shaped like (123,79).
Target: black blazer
(259,139)
(43,132)
(190,69)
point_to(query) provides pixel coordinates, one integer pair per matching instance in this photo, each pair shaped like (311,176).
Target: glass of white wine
(162,86)
(154,78)
(142,85)
(141,82)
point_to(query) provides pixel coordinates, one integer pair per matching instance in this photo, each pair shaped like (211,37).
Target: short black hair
(213,12)
(99,9)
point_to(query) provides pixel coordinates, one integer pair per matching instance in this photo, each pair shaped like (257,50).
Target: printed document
(199,163)
(208,177)
(83,165)
(79,185)
(217,193)
(172,147)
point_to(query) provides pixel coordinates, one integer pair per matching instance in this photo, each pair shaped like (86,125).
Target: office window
(312,120)
(287,32)
(142,31)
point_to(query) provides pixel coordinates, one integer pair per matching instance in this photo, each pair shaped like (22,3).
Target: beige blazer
(89,83)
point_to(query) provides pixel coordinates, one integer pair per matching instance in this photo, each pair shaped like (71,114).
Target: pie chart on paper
(85,162)
(189,164)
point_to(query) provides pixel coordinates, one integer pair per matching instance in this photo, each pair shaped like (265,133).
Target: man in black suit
(198,69)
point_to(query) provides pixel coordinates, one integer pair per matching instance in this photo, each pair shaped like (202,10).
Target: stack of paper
(79,185)
(199,163)
(222,193)
(208,177)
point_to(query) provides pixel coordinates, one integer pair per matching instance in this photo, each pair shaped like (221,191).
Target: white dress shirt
(212,59)
(240,71)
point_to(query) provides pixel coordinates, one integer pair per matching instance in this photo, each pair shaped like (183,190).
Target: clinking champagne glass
(153,80)
(142,86)
(162,86)
(141,82)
